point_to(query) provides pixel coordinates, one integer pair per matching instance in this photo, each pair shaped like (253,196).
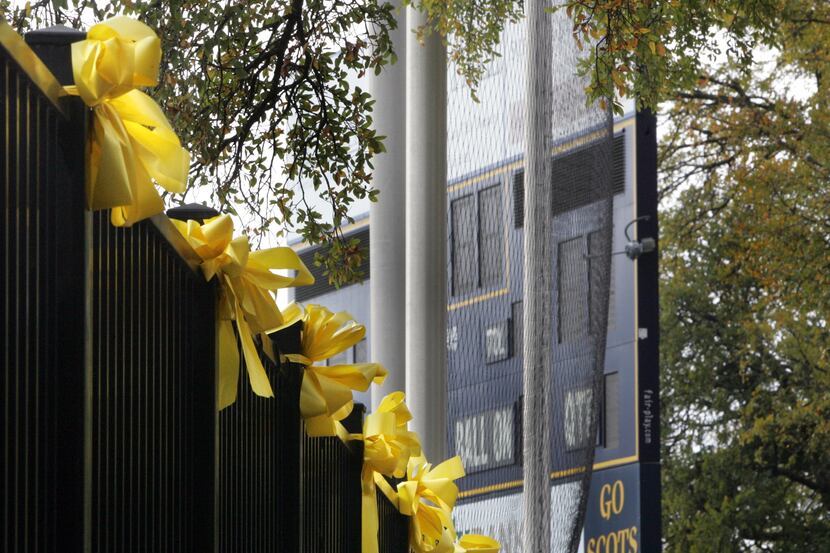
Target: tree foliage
(648,49)
(745,259)
(268,98)
(471,29)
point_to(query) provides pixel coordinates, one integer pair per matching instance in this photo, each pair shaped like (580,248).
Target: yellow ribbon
(326,392)
(387,448)
(470,543)
(133,143)
(428,497)
(246,284)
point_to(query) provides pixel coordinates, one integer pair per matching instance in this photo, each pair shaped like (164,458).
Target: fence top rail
(178,242)
(31,64)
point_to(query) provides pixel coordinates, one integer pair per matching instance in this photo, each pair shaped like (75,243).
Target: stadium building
(485,222)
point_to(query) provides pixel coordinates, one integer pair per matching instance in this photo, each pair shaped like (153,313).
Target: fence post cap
(197,212)
(52,46)
(57,34)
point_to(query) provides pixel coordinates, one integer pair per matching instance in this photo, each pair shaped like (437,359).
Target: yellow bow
(246,283)
(133,143)
(428,497)
(470,543)
(387,448)
(326,392)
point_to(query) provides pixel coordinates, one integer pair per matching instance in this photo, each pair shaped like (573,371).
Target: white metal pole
(387,245)
(537,282)
(426,236)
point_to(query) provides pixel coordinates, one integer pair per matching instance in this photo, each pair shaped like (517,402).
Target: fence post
(285,341)
(65,237)
(199,213)
(53,46)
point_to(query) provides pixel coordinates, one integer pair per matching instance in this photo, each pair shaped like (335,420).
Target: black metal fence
(259,453)
(41,417)
(150,394)
(111,440)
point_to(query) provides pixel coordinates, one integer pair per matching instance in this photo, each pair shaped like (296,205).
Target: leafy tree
(649,49)
(266,96)
(746,295)
(745,163)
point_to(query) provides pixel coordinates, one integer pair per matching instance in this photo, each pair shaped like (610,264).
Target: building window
(594,264)
(463,230)
(611,411)
(452,338)
(517,318)
(491,231)
(361,353)
(497,341)
(572,287)
(519,198)
(578,405)
(579,176)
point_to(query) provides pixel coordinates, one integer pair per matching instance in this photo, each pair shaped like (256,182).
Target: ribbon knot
(388,444)
(246,281)
(387,448)
(133,144)
(326,391)
(428,497)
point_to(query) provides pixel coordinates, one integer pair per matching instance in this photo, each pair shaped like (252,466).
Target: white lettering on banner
(486,440)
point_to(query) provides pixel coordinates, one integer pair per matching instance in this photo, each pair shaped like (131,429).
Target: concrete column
(537,281)
(387,250)
(426,237)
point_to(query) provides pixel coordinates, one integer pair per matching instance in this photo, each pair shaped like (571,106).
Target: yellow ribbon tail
(109,175)
(256,371)
(228,380)
(259,305)
(386,489)
(262,261)
(369,514)
(146,204)
(157,147)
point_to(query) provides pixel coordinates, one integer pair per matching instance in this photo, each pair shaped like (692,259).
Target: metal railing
(111,440)
(150,406)
(42,268)
(259,455)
